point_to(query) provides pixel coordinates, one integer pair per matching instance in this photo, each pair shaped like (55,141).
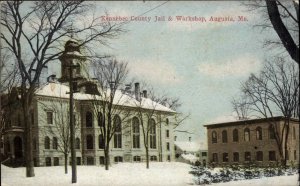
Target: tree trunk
(66,163)
(106,157)
(28,139)
(147,157)
(287,123)
(282,31)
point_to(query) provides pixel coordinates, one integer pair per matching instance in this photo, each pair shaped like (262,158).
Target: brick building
(251,141)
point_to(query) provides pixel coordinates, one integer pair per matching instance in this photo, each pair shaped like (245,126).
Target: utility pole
(71,60)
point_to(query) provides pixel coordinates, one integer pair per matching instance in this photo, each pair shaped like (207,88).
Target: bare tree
(58,125)
(108,104)
(283,17)
(241,107)
(275,91)
(34,32)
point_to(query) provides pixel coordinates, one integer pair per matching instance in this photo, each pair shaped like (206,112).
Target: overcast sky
(203,63)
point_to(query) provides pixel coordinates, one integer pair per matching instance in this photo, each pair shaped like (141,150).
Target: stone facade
(250,141)
(50,117)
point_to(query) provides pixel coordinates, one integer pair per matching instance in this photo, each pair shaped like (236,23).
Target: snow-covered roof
(61,91)
(191,146)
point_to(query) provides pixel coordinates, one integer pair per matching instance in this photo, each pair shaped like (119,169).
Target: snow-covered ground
(125,174)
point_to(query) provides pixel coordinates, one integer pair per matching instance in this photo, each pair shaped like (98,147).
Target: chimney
(137,91)
(145,94)
(190,138)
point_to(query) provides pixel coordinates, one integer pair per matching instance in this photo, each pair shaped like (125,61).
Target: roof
(190,146)
(250,121)
(59,90)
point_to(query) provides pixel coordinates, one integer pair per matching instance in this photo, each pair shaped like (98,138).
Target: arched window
(89,119)
(271,132)
(135,132)
(101,141)
(214,137)
(54,143)
(247,134)
(100,119)
(47,142)
(235,135)
(89,142)
(224,136)
(258,133)
(77,143)
(152,133)
(118,132)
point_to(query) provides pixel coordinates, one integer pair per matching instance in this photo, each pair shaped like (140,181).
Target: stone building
(251,142)
(50,118)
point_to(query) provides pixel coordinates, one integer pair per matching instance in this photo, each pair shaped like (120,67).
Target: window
(34,144)
(101,141)
(168,146)
(203,154)
(258,133)
(102,160)
(294,133)
(225,157)
(47,143)
(56,161)
(89,119)
(167,121)
(48,161)
(235,135)
(77,143)
(152,133)
(89,142)
(271,132)
(167,133)
(247,134)
(19,120)
(236,157)
(118,132)
(118,159)
(153,158)
(100,119)
(78,160)
(224,136)
(169,158)
(214,137)
(49,117)
(259,156)
(54,143)
(247,156)
(137,158)
(214,157)
(135,133)
(272,156)
(90,160)
(32,118)
(295,155)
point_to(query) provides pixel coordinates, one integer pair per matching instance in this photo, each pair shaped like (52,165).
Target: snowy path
(125,174)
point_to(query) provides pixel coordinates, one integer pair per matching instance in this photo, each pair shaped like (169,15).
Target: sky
(202,63)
